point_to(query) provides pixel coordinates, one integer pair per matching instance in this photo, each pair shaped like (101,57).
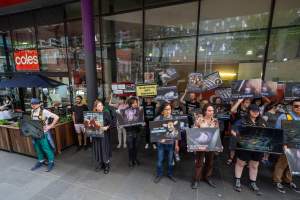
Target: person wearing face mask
(282,173)
(101,146)
(204,160)
(132,133)
(45,144)
(253,158)
(238,111)
(77,116)
(165,146)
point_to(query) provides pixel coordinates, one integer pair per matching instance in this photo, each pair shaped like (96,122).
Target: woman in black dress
(101,146)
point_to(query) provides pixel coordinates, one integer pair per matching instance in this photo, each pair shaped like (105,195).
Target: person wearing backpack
(282,173)
(45,144)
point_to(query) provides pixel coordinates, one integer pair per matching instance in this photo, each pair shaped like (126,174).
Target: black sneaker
(85,147)
(157,179)
(50,166)
(79,148)
(294,187)
(238,186)
(106,168)
(136,162)
(279,187)
(172,178)
(37,165)
(254,188)
(194,185)
(211,183)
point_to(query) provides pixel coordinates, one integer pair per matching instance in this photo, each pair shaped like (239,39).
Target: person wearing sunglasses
(282,173)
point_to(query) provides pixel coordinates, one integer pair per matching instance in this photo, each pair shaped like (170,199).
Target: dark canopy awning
(30,81)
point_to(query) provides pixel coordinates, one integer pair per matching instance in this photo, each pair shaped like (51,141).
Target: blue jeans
(161,149)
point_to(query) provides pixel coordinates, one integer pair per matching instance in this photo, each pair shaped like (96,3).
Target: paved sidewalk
(74,178)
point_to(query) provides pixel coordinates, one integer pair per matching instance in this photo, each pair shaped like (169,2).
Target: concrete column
(89,50)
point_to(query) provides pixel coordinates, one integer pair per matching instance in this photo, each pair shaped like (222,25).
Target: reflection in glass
(24,38)
(287,12)
(53,60)
(112,6)
(232,15)
(51,36)
(171,21)
(122,27)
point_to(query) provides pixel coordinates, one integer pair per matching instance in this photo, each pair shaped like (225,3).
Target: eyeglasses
(296,106)
(167,109)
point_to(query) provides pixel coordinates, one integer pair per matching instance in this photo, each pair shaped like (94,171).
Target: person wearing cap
(253,118)
(44,145)
(282,173)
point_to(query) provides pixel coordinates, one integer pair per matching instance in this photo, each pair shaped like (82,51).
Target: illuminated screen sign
(26,60)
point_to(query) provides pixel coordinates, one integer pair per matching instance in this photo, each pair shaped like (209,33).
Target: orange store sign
(26,60)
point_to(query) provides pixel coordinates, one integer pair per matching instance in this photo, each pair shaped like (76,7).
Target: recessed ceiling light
(285,59)
(249,52)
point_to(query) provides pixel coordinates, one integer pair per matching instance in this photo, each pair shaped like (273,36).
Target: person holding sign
(149,113)
(45,144)
(282,172)
(252,119)
(204,121)
(101,146)
(165,145)
(192,103)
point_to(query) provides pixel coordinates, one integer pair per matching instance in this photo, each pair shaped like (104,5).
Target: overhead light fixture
(227,74)
(260,56)
(285,59)
(249,53)
(201,49)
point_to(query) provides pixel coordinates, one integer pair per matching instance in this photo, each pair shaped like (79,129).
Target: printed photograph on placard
(130,117)
(203,139)
(199,83)
(31,128)
(149,77)
(168,75)
(167,93)
(291,132)
(292,91)
(269,88)
(293,157)
(93,121)
(246,89)
(183,121)
(164,129)
(123,89)
(260,139)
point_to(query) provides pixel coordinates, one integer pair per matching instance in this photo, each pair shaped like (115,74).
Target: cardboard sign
(149,77)
(167,93)
(130,117)
(93,121)
(203,139)
(146,90)
(291,131)
(31,128)
(293,157)
(198,83)
(183,121)
(260,139)
(123,89)
(292,91)
(246,89)
(168,75)
(224,94)
(269,88)
(26,60)
(164,130)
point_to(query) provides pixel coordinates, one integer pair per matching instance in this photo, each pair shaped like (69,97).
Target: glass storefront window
(113,6)
(51,36)
(171,21)
(287,12)
(235,55)
(284,55)
(232,15)
(74,34)
(175,53)
(24,38)
(53,60)
(122,27)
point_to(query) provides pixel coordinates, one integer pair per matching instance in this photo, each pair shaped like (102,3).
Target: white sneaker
(154,146)
(125,146)
(146,146)
(119,146)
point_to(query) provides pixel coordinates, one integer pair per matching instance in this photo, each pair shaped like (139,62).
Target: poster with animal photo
(293,157)
(164,129)
(198,83)
(269,88)
(183,121)
(224,94)
(93,121)
(123,89)
(168,75)
(203,139)
(167,93)
(291,131)
(130,117)
(246,89)
(260,139)
(292,91)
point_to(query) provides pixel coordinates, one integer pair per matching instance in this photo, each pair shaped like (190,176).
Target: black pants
(132,145)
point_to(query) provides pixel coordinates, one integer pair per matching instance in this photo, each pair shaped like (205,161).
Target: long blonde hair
(96,102)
